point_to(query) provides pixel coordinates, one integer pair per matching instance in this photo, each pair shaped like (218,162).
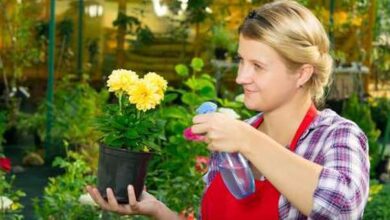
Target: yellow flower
(144,95)
(121,80)
(157,80)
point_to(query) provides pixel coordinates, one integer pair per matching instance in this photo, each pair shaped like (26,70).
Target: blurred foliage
(173,178)
(18,51)
(378,206)
(380,111)
(60,197)
(64,55)
(380,56)
(360,113)
(75,107)
(3,126)
(7,190)
(140,33)
(19,48)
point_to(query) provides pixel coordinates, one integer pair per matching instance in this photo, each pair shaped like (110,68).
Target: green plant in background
(60,199)
(360,113)
(65,198)
(10,207)
(140,33)
(380,56)
(75,108)
(3,127)
(380,111)
(18,50)
(378,206)
(9,197)
(176,177)
(64,56)
(222,40)
(76,105)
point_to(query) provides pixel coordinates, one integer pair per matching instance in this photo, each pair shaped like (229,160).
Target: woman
(307,163)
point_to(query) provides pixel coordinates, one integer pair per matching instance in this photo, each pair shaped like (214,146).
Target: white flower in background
(240,98)
(230,112)
(86,199)
(5,203)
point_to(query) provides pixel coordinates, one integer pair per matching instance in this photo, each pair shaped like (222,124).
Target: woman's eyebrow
(238,55)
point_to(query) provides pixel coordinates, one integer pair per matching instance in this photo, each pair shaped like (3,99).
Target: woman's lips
(248,91)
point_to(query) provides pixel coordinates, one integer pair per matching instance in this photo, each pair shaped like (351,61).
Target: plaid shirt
(341,147)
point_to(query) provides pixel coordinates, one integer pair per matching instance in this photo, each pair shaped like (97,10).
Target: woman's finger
(132,200)
(112,200)
(199,119)
(199,128)
(97,197)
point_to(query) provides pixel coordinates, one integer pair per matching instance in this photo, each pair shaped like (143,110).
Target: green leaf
(132,134)
(170,97)
(197,64)
(191,99)
(176,112)
(208,92)
(153,146)
(182,70)
(192,83)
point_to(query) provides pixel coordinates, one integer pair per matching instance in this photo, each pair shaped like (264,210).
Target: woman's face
(266,81)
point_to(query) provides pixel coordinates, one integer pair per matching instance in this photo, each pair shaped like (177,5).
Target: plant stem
(120,102)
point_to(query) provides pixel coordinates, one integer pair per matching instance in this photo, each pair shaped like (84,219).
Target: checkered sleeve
(343,184)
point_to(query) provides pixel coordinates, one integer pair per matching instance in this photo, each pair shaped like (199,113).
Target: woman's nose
(244,76)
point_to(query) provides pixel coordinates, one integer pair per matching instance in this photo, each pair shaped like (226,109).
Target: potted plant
(130,131)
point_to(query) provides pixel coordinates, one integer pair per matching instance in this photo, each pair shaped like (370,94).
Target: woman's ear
(304,74)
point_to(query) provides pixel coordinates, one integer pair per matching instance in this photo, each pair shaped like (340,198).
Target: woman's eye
(257,66)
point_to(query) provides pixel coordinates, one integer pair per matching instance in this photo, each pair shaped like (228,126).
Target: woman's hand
(222,132)
(148,204)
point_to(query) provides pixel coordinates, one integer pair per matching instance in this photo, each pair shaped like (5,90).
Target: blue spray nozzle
(206,107)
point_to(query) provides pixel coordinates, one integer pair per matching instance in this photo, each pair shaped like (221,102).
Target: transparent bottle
(234,168)
(236,174)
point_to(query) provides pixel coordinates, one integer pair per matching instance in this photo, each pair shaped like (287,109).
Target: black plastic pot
(119,168)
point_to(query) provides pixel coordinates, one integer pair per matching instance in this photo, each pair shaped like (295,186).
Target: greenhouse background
(56,56)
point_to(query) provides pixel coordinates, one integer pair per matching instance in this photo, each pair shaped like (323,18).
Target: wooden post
(80,39)
(121,35)
(368,43)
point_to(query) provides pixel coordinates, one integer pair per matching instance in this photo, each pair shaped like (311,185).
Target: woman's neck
(282,123)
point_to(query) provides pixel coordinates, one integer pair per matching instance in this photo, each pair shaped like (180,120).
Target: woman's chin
(249,104)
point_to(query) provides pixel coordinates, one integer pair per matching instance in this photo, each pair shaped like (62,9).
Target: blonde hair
(297,35)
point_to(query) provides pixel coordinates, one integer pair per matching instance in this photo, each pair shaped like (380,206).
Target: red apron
(219,204)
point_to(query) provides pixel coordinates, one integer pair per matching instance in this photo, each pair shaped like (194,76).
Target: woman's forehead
(257,50)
